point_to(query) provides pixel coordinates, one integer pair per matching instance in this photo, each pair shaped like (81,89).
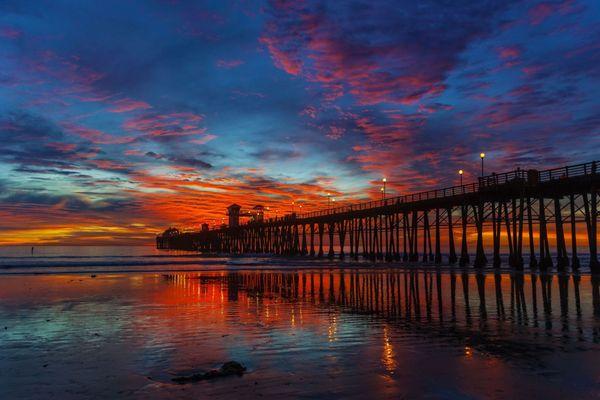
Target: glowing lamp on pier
(461,172)
(482,156)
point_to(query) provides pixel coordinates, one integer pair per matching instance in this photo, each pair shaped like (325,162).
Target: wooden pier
(526,213)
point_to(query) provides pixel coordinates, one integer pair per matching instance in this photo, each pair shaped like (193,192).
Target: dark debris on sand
(227,369)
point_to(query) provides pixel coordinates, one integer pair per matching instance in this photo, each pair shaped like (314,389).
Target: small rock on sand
(227,369)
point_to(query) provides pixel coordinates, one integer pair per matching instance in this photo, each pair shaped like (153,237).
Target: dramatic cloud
(391,53)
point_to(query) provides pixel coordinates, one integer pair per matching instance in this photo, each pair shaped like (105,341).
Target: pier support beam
(496,230)
(532,260)
(545,257)
(480,258)
(304,250)
(351,236)
(562,259)
(321,232)
(464,251)
(438,249)
(575,264)
(342,237)
(591,218)
(331,229)
(426,236)
(405,236)
(451,249)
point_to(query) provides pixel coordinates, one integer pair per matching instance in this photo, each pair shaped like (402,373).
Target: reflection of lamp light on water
(388,357)
(468,352)
(332,330)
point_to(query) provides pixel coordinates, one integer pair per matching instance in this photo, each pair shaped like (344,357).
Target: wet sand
(331,333)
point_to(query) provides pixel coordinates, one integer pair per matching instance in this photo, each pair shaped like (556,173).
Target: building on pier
(233,211)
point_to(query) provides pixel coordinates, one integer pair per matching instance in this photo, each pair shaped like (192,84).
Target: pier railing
(519,175)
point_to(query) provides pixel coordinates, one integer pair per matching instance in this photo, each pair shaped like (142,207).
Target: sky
(121,118)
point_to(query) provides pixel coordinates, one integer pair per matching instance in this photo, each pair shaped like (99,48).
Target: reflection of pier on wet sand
(493,312)
(314,333)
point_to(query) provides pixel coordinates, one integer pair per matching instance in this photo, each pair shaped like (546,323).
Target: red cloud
(10,33)
(126,105)
(166,126)
(310,111)
(133,152)
(96,136)
(62,147)
(203,140)
(335,132)
(282,58)
(511,52)
(544,10)
(110,165)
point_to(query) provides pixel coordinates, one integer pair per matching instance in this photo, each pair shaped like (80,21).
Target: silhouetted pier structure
(521,210)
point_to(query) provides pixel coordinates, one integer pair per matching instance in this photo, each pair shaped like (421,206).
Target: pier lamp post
(482,156)
(384,180)
(382,193)
(293,207)
(461,172)
(328,200)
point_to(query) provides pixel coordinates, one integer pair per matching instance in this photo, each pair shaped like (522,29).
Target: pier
(528,214)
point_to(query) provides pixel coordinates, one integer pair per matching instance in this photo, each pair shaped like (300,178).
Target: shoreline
(5,271)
